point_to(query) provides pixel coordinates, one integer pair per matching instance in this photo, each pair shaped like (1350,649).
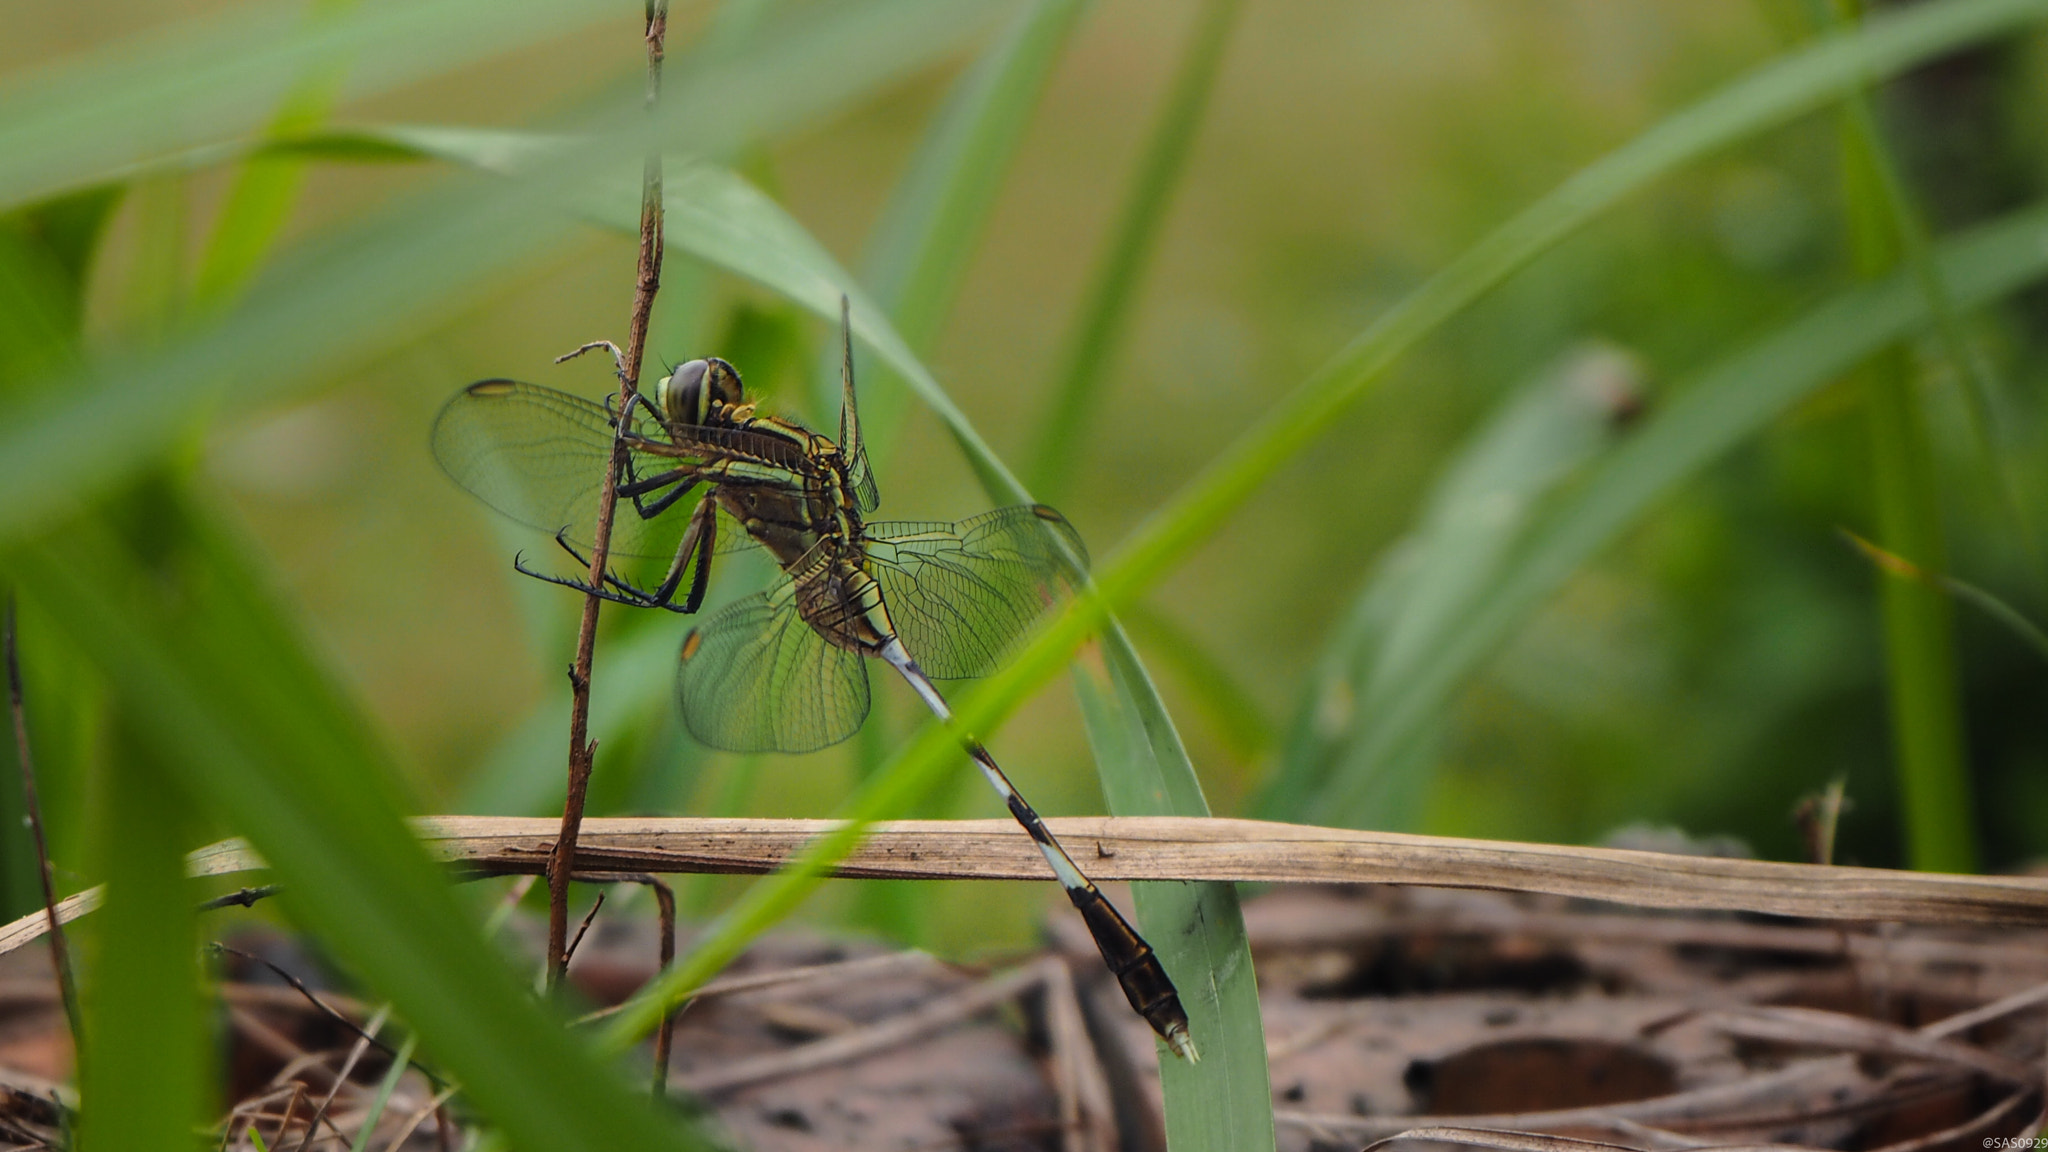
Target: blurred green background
(1720,660)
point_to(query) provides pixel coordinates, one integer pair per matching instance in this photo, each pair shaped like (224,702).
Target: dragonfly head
(689,394)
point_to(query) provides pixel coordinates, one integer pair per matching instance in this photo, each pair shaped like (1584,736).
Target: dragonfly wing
(756,678)
(961,594)
(539,456)
(860,477)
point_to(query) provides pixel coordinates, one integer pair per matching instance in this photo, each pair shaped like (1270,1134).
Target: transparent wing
(756,678)
(539,456)
(851,443)
(961,594)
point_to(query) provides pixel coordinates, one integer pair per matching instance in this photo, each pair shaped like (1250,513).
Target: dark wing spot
(491,389)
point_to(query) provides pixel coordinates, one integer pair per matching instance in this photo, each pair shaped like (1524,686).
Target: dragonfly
(784,670)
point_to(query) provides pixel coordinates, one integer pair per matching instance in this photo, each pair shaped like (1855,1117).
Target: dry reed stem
(1191,848)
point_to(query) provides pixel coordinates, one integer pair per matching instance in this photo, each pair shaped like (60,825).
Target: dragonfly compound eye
(681,393)
(722,383)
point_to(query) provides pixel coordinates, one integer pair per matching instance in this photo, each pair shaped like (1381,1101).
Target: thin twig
(581,749)
(325,1008)
(60,954)
(364,1038)
(664,1039)
(241,898)
(570,952)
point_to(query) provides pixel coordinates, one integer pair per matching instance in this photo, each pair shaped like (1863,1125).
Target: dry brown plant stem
(581,749)
(60,954)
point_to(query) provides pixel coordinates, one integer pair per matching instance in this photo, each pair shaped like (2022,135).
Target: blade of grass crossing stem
(932,226)
(1918,621)
(367,1127)
(2014,620)
(222,719)
(142,1081)
(1226,1100)
(1106,304)
(1769,95)
(1728,402)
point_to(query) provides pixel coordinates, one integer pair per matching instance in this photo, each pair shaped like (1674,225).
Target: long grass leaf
(1105,306)
(142,1076)
(1225,1100)
(1918,622)
(1717,410)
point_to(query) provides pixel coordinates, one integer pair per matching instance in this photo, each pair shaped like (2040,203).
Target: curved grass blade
(1478,509)
(1723,405)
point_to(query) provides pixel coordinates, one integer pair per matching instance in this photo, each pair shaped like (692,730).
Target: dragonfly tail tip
(1183,1045)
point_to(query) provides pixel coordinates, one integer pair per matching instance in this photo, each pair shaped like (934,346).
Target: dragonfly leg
(629,595)
(700,539)
(635,487)
(1136,967)
(624,591)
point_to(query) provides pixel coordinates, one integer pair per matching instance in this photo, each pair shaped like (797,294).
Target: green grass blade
(1480,506)
(1226,1100)
(1728,402)
(1105,306)
(382,1100)
(1880,195)
(142,1076)
(1918,621)
(266,746)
